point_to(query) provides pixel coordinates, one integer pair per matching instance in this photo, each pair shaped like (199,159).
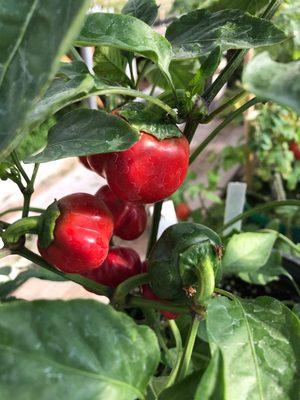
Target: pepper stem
(15,231)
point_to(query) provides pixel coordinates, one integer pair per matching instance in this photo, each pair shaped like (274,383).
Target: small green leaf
(81,132)
(274,81)
(199,32)
(146,10)
(34,35)
(78,350)
(142,118)
(126,33)
(259,343)
(208,67)
(247,252)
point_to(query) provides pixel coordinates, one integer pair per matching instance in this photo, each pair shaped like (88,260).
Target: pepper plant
(170,331)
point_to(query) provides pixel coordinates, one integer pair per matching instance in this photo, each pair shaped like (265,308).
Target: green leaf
(82,131)
(78,350)
(259,342)
(62,92)
(36,139)
(247,252)
(76,83)
(199,32)
(126,33)
(146,10)
(274,81)
(251,6)
(34,35)
(110,64)
(142,118)
(267,273)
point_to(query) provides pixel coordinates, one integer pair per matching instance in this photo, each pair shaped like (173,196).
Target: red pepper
(295,148)
(97,163)
(130,219)
(183,211)
(84,162)
(121,263)
(81,235)
(147,172)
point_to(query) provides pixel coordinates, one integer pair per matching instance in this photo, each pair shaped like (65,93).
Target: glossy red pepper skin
(121,263)
(97,163)
(183,211)
(81,235)
(148,294)
(150,170)
(130,219)
(84,162)
(295,148)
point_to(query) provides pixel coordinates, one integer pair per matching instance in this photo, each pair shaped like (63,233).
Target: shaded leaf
(259,342)
(126,33)
(247,252)
(274,81)
(110,64)
(146,10)
(82,131)
(82,349)
(199,32)
(267,273)
(34,35)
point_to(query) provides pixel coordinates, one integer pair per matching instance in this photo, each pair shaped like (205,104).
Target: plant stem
(141,302)
(177,336)
(262,207)
(18,164)
(223,107)
(86,283)
(224,76)
(20,228)
(75,54)
(14,209)
(155,225)
(141,74)
(225,293)
(219,128)
(284,239)
(190,128)
(188,349)
(29,191)
(271,9)
(126,287)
